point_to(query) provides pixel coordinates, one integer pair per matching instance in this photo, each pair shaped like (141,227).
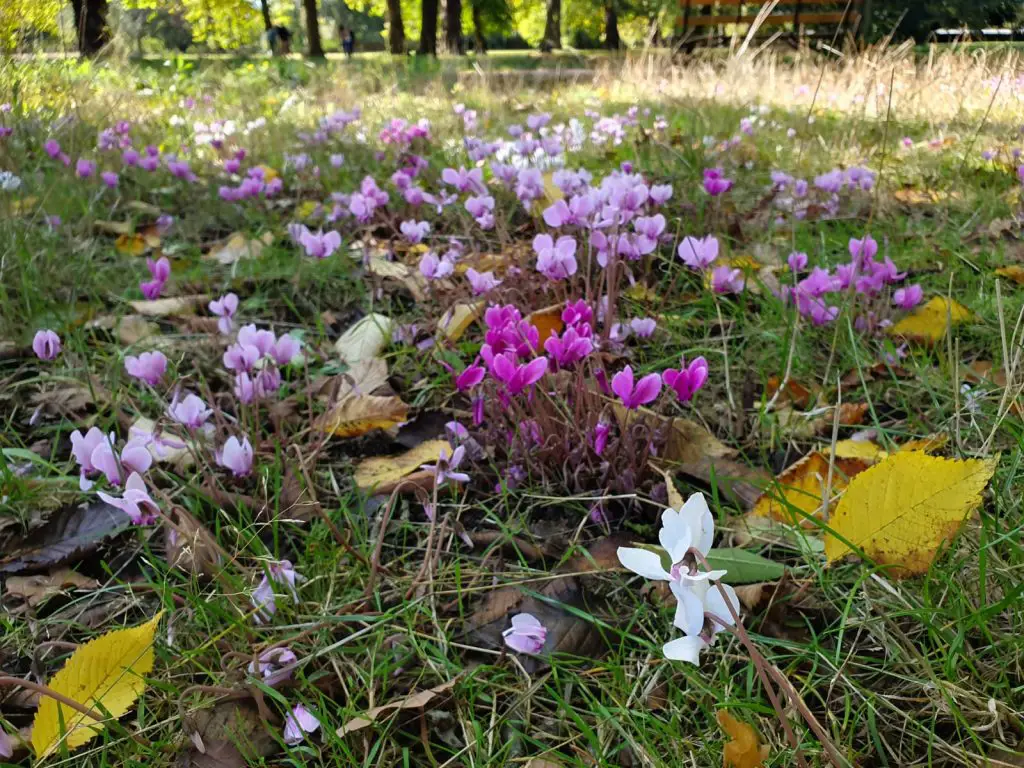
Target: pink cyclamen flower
(688,379)
(698,253)
(245,388)
(573,345)
(643,327)
(263,597)
(135,502)
(298,723)
(83,447)
(446,465)
(469,378)
(262,339)
(715,182)
(797,261)
(46,344)
(600,436)
(862,251)
(726,279)
(241,357)
(645,391)
(434,268)
(517,377)
(526,635)
(269,664)
(84,168)
(191,411)
(110,179)
(555,259)
(236,456)
(320,245)
(415,231)
(135,457)
(149,367)
(52,148)
(285,349)
(481,282)
(225,308)
(909,297)
(160,271)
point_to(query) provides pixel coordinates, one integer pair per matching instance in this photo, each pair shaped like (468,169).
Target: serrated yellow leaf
(384,470)
(902,510)
(929,444)
(929,322)
(105,674)
(356,415)
(799,492)
(858,449)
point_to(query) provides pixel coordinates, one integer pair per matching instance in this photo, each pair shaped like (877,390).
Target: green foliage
(218,23)
(23,19)
(919,19)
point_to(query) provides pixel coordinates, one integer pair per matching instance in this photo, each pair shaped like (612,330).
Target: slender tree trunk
(612,41)
(396,30)
(265,10)
(453,26)
(480,43)
(316,49)
(553,27)
(428,31)
(91,25)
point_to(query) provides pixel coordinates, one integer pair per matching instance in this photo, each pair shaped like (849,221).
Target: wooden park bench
(698,16)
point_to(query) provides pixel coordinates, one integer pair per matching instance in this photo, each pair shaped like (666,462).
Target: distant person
(280,40)
(348,41)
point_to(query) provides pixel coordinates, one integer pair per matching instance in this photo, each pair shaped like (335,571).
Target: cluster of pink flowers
(254,359)
(576,341)
(159,272)
(253,185)
(402,134)
(798,197)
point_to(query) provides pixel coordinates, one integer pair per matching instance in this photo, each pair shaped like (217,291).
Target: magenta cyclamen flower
(236,456)
(190,411)
(469,378)
(600,436)
(225,308)
(320,245)
(526,635)
(688,379)
(446,467)
(909,297)
(46,344)
(556,260)
(109,178)
(645,391)
(715,182)
(572,346)
(84,168)
(415,231)
(517,377)
(797,261)
(136,501)
(698,253)
(149,367)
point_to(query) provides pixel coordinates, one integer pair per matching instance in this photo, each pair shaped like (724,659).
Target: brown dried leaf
(685,441)
(239,246)
(36,589)
(742,484)
(191,547)
(70,535)
(417,700)
(745,749)
(802,486)
(223,734)
(171,305)
(356,415)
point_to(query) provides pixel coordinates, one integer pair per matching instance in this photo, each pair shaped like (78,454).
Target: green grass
(922,671)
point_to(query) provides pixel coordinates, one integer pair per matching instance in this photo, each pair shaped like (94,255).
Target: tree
(428,30)
(453,26)
(91,25)
(612,41)
(479,41)
(316,50)
(920,19)
(265,10)
(553,27)
(396,30)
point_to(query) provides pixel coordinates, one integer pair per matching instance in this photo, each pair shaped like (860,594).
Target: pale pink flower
(555,259)
(191,411)
(224,308)
(726,279)
(909,297)
(481,282)
(236,456)
(526,635)
(46,344)
(298,723)
(149,367)
(135,502)
(698,253)
(320,245)
(643,327)
(285,349)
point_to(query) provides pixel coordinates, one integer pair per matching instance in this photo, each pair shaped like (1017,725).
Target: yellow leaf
(385,470)
(745,749)
(929,322)
(104,674)
(456,321)
(552,194)
(902,510)
(24,205)
(414,282)
(929,444)
(307,209)
(131,245)
(640,292)
(269,174)
(113,227)
(238,247)
(365,339)
(1013,272)
(858,449)
(356,415)
(799,491)
(170,305)
(547,321)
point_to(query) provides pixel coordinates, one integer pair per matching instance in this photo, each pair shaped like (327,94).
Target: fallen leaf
(744,750)
(417,700)
(794,392)
(799,491)
(131,245)
(384,471)
(190,547)
(985,370)
(685,440)
(738,482)
(929,444)
(70,399)
(928,323)
(356,415)
(456,321)
(411,278)
(230,735)
(108,672)
(1014,272)
(113,227)
(857,449)
(365,339)
(142,207)
(131,329)
(901,511)
(170,305)
(41,587)
(547,321)
(239,246)
(71,534)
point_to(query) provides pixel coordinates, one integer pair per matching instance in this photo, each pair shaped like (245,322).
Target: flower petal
(684,649)
(643,562)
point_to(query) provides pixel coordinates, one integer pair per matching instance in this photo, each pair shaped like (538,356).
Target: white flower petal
(715,603)
(704,576)
(684,649)
(644,563)
(675,535)
(697,516)
(689,609)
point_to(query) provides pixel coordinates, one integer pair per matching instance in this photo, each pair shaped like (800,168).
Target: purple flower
(245,388)
(660,193)
(268,381)
(481,282)
(464,180)
(645,391)
(263,597)
(83,447)
(160,271)
(84,168)
(517,377)
(726,279)
(46,344)
(643,326)
(285,349)
(225,308)
(236,456)
(600,436)
(715,182)
(526,635)
(577,312)
(434,268)
(149,367)
(52,148)
(415,231)
(572,346)
(320,245)
(241,357)
(298,723)
(270,663)
(688,379)
(130,157)
(862,251)
(556,260)
(262,339)
(797,261)
(445,468)
(191,411)
(135,502)
(469,378)
(909,297)
(698,253)
(109,178)
(337,160)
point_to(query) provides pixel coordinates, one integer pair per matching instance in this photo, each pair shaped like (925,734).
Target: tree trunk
(612,41)
(428,31)
(480,43)
(316,50)
(91,25)
(396,30)
(453,26)
(265,10)
(553,27)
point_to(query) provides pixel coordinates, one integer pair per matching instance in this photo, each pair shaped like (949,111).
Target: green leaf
(745,567)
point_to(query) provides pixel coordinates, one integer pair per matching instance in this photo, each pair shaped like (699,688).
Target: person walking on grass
(348,40)
(280,40)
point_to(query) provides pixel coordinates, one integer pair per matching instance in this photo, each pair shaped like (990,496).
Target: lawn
(345,349)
